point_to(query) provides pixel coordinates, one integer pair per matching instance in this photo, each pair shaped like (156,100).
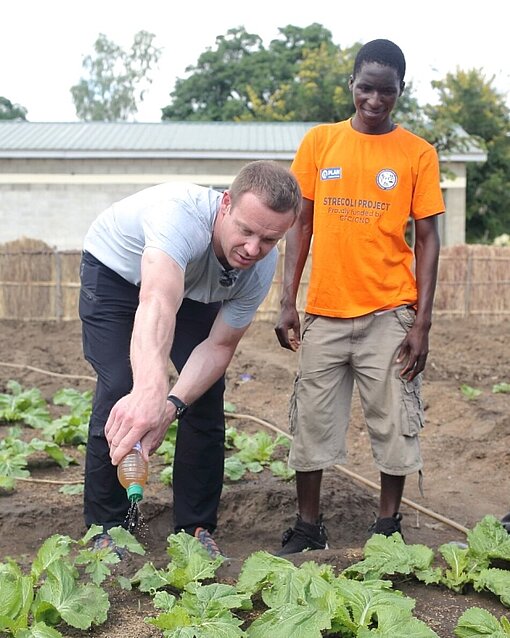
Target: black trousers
(107,309)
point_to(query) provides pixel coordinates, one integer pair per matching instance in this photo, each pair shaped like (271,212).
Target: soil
(465,447)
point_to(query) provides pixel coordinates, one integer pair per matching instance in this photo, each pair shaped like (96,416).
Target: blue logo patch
(331,173)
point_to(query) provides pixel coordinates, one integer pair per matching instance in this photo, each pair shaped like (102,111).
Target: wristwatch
(180,406)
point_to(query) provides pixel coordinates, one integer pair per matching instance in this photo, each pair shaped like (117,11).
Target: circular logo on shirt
(386,179)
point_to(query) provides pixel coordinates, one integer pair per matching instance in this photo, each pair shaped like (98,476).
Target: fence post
(469,282)
(58,285)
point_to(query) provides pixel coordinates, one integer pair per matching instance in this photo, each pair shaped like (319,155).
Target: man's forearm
(297,247)
(206,364)
(427,258)
(150,347)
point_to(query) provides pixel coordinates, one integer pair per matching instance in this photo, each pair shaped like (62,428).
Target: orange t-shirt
(364,189)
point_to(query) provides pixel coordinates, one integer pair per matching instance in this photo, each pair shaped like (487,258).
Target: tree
(469,99)
(10,111)
(116,79)
(240,78)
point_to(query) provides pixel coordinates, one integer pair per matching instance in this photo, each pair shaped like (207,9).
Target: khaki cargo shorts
(334,353)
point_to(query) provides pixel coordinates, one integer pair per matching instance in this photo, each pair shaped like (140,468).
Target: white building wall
(56,200)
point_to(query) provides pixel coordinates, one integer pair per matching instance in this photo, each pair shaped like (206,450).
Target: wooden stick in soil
(357,477)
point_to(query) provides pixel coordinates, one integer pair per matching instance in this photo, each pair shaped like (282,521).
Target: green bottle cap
(135,492)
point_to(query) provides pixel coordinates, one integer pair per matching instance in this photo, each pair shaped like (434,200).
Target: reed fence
(41,284)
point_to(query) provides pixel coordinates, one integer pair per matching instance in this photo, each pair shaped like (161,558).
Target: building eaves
(168,140)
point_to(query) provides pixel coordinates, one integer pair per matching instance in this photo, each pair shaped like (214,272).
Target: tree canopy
(468,99)
(301,76)
(10,111)
(115,79)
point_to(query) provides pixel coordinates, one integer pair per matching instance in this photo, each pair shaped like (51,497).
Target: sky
(42,44)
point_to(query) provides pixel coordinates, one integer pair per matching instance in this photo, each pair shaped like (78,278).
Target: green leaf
(53,549)
(52,450)
(258,570)
(229,407)
(27,406)
(208,600)
(17,593)
(7,483)
(235,469)
(479,622)
(166,476)
(225,626)
(177,621)
(282,470)
(501,387)
(123,538)
(254,467)
(256,448)
(165,601)
(489,539)
(79,605)
(497,581)
(72,490)
(290,621)
(469,392)
(97,563)
(79,402)
(457,559)
(308,585)
(390,555)
(124,583)
(190,561)
(150,579)
(394,622)
(92,531)
(39,630)
(366,600)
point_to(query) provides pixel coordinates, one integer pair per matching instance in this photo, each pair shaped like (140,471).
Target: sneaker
(387,526)
(205,538)
(105,541)
(506,522)
(304,537)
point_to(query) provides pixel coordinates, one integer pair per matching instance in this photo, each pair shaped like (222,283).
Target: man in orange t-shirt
(368,314)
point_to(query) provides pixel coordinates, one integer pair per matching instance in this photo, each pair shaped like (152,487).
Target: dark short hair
(272,183)
(384,52)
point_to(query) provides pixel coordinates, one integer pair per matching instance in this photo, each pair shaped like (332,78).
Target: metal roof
(193,140)
(278,140)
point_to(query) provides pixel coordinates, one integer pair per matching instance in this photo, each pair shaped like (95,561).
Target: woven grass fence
(41,284)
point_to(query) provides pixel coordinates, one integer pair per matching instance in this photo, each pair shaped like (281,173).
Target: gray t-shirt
(178,219)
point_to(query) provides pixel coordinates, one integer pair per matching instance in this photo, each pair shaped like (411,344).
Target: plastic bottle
(132,472)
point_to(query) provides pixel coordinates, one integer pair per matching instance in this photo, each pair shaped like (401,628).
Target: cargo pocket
(406,317)
(412,407)
(308,319)
(293,407)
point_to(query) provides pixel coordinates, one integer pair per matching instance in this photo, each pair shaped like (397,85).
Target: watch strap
(180,406)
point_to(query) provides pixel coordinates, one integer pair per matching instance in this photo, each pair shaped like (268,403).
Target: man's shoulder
(329,127)
(413,138)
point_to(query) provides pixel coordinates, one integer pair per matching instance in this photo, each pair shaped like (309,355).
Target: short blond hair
(272,183)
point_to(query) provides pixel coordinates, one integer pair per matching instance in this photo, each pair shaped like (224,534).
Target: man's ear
(351,82)
(402,87)
(226,200)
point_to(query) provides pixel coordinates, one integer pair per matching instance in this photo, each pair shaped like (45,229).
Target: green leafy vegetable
(501,387)
(469,392)
(479,622)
